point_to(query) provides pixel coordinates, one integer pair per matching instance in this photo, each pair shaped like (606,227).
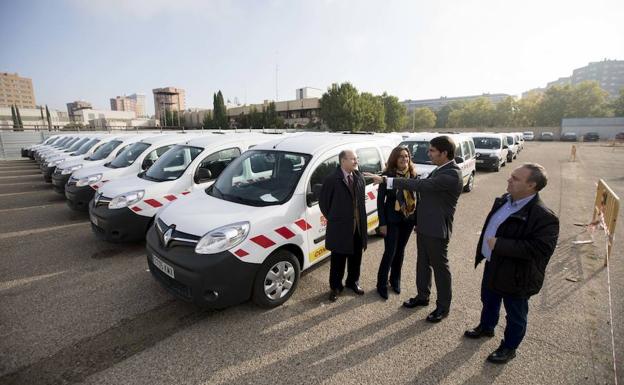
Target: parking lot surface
(78,310)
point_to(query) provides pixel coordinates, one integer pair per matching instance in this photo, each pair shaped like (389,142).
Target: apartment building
(16,90)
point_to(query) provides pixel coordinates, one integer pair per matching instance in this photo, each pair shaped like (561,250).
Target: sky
(94,50)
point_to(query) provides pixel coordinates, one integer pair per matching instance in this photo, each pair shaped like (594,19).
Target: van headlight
(88,180)
(126,199)
(71,169)
(222,238)
(56,162)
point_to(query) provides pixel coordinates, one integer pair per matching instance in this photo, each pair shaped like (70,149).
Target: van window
(486,143)
(318,176)
(126,157)
(240,183)
(105,150)
(466,150)
(153,156)
(473,152)
(218,161)
(419,150)
(172,164)
(369,161)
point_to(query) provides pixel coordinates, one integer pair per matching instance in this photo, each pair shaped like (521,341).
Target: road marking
(18,176)
(19,193)
(31,207)
(37,231)
(24,281)
(14,183)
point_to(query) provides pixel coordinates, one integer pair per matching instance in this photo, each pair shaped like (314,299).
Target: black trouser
(432,254)
(517,310)
(397,235)
(338,262)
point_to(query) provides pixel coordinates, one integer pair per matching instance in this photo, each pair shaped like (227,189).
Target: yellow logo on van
(318,253)
(373,222)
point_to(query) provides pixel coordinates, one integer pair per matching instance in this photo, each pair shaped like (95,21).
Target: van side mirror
(202,175)
(505,146)
(459,159)
(147,163)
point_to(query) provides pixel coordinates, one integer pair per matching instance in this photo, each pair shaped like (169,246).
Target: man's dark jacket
(524,244)
(336,204)
(438,195)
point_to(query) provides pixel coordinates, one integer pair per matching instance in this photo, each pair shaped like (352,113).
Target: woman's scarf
(405,202)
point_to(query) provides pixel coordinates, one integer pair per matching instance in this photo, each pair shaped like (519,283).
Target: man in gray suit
(438,195)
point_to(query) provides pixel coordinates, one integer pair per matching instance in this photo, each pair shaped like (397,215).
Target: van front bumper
(486,162)
(59,181)
(210,281)
(78,198)
(118,225)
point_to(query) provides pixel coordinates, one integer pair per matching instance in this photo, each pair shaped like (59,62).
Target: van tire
(470,185)
(285,272)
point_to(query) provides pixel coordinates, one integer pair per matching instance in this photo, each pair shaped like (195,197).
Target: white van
(491,149)
(251,233)
(512,144)
(124,208)
(78,190)
(50,160)
(465,155)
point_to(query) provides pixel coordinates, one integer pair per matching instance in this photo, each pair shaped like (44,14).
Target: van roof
(485,135)
(312,142)
(171,138)
(427,136)
(216,138)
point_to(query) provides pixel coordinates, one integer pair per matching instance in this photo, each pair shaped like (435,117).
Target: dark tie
(350,182)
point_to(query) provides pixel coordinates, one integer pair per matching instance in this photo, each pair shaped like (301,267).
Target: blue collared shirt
(498,218)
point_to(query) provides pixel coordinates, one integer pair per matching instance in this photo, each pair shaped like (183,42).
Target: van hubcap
(279,280)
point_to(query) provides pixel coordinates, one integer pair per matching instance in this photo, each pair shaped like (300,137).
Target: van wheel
(276,280)
(470,185)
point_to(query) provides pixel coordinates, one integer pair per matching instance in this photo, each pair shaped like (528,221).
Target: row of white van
(226,216)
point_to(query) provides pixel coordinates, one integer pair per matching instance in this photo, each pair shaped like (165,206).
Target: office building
(437,104)
(16,90)
(74,108)
(134,102)
(168,99)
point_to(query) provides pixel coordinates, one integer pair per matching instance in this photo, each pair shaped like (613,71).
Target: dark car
(619,136)
(569,137)
(547,136)
(591,137)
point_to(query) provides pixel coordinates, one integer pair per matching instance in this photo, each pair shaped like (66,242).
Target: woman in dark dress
(396,210)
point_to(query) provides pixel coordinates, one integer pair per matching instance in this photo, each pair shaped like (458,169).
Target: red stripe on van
(170,197)
(153,202)
(303,224)
(241,253)
(263,241)
(285,232)
(136,209)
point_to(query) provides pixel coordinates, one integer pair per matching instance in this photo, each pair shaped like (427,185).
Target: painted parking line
(24,233)
(20,193)
(14,183)
(25,281)
(19,176)
(30,207)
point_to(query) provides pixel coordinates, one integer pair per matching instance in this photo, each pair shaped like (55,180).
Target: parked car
(253,231)
(619,136)
(491,150)
(591,137)
(547,136)
(569,137)
(513,146)
(528,135)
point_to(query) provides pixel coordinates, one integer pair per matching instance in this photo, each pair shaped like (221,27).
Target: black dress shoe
(383,291)
(414,302)
(501,355)
(333,295)
(356,289)
(478,332)
(437,315)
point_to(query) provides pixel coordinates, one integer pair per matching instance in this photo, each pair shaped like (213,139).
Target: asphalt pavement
(74,309)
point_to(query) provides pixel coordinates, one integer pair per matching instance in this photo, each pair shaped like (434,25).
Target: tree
(526,110)
(219,113)
(19,117)
(504,111)
(618,104)
(49,118)
(372,113)
(340,108)
(207,122)
(476,113)
(587,99)
(14,117)
(394,112)
(423,118)
(443,113)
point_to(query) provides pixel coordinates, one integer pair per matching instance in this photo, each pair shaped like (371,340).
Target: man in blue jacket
(518,238)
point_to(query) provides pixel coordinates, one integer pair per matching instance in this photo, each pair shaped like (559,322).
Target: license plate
(479,161)
(163,266)
(94,220)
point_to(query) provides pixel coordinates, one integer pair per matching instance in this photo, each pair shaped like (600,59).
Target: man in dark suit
(518,238)
(438,195)
(342,203)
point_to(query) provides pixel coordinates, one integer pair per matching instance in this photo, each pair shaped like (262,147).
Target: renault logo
(167,236)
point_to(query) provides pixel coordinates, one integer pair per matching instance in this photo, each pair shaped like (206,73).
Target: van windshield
(172,164)
(487,143)
(419,150)
(77,145)
(510,140)
(129,155)
(86,147)
(105,150)
(260,178)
